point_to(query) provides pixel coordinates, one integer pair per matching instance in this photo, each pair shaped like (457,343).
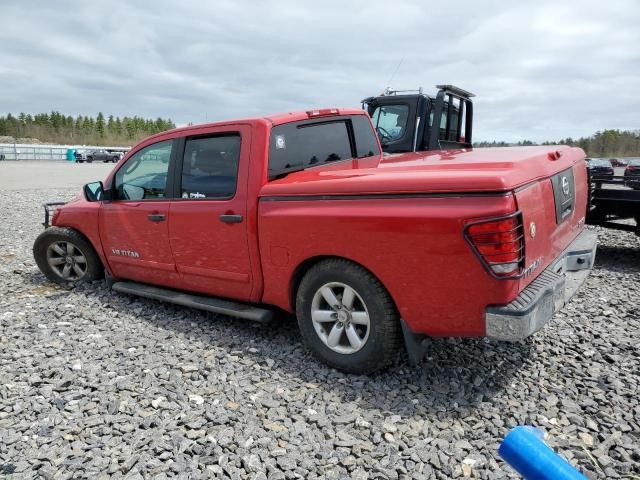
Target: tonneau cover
(452,171)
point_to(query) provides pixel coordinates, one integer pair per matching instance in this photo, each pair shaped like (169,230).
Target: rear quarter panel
(414,246)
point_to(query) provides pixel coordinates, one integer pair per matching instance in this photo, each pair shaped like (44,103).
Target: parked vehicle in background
(632,174)
(80,156)
(104,155)
(614,200)
(601,170)
(618,162)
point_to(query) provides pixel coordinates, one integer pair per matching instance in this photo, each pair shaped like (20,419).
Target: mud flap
(415,344)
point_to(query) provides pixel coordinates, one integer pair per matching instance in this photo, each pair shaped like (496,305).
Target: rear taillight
(499,243)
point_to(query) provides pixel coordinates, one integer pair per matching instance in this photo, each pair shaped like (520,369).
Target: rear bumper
(547,294)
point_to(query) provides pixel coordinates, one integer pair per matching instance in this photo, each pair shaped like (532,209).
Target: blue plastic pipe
(524,449)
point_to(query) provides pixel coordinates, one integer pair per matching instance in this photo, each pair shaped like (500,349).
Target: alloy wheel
(67,260)
(340,318)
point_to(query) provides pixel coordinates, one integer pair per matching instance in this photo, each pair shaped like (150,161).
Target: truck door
(208,225)
(134,223)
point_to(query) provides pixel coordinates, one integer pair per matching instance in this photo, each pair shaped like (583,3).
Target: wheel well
(305,266)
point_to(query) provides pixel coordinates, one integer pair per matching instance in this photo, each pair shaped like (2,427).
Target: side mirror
(94,191)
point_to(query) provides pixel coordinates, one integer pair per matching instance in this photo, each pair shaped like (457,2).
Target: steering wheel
(383,134)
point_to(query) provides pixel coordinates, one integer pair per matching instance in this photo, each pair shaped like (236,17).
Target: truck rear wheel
(347,317)
(66,257)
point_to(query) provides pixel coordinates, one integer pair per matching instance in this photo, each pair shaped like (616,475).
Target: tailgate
(553,213)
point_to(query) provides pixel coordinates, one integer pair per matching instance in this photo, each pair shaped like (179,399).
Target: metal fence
(28,151)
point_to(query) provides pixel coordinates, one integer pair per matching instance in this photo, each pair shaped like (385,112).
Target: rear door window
(210,167)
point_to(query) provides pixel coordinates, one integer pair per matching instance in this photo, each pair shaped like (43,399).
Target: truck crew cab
(304,212)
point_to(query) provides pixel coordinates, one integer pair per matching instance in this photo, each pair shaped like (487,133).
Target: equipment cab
(404,120)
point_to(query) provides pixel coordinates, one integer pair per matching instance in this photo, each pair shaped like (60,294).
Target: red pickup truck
(303,212)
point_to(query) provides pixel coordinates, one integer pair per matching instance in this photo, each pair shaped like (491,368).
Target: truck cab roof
(273,120)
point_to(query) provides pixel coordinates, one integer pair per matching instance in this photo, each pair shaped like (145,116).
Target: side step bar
(210,304)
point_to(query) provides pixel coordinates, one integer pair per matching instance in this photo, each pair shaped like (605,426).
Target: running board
(210,304)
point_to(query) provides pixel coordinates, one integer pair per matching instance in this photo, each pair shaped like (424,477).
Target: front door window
(144,176)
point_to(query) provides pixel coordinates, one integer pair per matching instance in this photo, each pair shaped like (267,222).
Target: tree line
(55,127)
(607,143)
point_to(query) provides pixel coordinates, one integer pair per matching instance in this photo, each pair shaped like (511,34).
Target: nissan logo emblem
(565,186)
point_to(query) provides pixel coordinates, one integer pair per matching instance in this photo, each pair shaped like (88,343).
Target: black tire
(89,159)
(384,337)
(93,268)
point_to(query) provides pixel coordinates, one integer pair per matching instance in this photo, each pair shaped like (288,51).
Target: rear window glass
(299,145)
(295,146)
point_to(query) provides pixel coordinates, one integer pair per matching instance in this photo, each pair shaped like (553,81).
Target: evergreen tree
(100,124)
(118,126)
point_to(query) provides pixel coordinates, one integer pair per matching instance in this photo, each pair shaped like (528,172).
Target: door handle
(156,217)
(230,218)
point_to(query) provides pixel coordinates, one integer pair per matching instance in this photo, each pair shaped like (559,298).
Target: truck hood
(469,170)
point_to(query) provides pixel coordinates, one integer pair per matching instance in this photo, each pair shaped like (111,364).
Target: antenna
(394,73)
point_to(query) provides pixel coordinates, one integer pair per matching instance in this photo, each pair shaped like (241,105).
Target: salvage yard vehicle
(632,174)
(600,170)
(303,212)
(104,155)
(80,156)
(615,200)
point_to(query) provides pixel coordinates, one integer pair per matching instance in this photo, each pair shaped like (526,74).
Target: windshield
(390,121)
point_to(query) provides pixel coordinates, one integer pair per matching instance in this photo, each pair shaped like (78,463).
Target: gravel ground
(95,384)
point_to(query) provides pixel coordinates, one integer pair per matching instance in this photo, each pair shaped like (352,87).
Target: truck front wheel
(347,317)
(66,257)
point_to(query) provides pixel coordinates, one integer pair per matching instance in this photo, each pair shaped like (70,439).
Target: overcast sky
(546,70)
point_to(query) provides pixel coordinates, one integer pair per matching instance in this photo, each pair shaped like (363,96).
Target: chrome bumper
(547,294)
